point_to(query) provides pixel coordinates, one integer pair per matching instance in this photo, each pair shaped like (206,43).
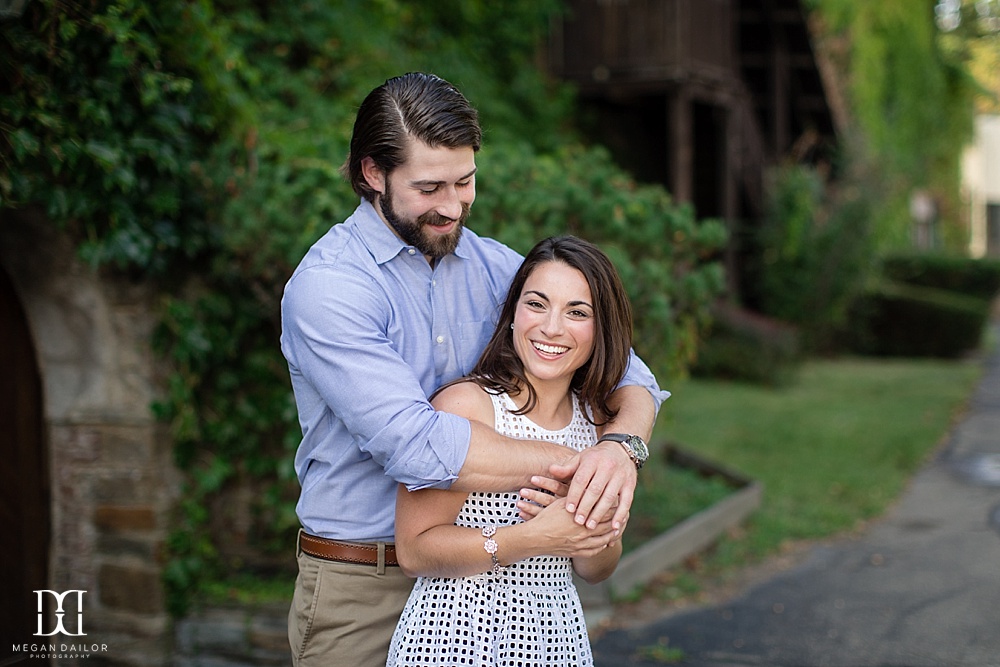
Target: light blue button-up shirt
(370,330)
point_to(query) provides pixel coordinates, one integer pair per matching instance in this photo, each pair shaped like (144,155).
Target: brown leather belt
(345,552)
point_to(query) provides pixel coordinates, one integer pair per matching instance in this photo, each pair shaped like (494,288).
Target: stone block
(134,487)
(131,588)
(215,632)
(129,446)
(118,518)
(74,443)
(124,546)
(269,631)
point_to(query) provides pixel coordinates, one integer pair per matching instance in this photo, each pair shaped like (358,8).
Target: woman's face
(554,322)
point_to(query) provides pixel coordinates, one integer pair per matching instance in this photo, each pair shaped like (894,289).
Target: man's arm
(496,462)
(603,476)
(636,413)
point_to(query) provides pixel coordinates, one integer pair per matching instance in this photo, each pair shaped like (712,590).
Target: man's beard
(412,231)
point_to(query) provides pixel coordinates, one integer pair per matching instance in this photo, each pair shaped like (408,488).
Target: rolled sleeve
(430,461)
(638,373)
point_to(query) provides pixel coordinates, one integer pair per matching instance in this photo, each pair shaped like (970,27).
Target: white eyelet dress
(527,615)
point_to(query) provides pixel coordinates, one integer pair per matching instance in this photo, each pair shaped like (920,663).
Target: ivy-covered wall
(908,78)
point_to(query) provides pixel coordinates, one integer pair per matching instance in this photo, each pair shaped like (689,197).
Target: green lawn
(831,451)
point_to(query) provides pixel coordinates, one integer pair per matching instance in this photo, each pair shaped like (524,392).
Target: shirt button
(440,339)
(411,251)
(434,283)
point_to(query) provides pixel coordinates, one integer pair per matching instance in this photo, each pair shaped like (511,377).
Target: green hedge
(745,346)
(812,253)
(973,277)
(896,319)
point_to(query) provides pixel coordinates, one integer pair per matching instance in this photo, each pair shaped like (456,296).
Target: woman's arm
(429,544)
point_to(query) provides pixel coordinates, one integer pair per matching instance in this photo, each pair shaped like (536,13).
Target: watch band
(627,442)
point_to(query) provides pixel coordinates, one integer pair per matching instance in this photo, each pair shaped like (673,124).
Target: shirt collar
(383,244)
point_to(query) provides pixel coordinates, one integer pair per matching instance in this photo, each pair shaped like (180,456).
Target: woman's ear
(373,175)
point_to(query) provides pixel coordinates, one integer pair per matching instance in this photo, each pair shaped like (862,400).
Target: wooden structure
(699,95)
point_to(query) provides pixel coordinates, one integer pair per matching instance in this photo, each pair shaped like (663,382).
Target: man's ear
(373,175)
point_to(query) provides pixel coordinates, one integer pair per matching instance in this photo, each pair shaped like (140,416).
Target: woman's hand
(534,500)
(559,535)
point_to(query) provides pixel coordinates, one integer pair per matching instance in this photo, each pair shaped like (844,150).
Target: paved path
(920,588)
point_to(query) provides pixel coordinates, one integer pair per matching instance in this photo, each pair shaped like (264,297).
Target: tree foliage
(197,143)
(911,98)
(817,253)
(911,103)
(107,131)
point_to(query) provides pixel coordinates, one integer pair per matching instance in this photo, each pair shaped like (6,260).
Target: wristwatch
(633,444)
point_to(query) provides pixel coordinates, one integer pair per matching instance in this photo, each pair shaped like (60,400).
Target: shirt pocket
(472,338)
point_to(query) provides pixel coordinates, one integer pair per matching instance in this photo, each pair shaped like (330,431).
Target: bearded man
(386,307)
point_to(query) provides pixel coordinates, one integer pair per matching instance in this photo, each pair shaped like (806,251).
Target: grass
(832,451)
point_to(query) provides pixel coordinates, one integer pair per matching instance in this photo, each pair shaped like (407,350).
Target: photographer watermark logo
(60,614)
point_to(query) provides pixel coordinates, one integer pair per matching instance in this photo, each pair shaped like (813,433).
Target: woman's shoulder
(466,399)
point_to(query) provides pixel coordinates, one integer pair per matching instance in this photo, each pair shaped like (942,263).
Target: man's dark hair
(417,105)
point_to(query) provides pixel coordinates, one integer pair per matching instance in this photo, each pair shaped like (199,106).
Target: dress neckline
(512,406)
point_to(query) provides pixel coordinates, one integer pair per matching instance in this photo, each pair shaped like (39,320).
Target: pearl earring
(511,326)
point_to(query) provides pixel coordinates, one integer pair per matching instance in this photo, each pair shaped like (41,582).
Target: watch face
(638,447)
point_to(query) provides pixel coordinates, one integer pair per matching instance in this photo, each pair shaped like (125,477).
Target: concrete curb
(692,535)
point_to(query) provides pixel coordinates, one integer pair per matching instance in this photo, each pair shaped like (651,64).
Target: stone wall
(112,481)
(234,636)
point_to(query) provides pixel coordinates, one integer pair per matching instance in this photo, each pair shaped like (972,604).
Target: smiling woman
(504,561)
(553,336)
(560,262)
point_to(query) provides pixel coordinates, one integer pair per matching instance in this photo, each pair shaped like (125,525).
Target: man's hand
(547,491)
(603,478)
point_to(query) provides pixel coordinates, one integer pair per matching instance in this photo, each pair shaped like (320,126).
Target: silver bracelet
(491,547)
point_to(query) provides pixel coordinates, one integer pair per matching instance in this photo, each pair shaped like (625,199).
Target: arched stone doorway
(24,478)
(87,502)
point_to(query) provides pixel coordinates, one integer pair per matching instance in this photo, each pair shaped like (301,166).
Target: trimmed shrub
(742,345)
(979,278)
(897,319)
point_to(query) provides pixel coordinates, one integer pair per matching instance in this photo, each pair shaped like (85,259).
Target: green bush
(979,278)
(107,129)
(814,251)
(896,319)
(744,346)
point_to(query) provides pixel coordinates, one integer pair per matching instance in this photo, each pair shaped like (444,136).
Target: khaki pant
(343,613)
